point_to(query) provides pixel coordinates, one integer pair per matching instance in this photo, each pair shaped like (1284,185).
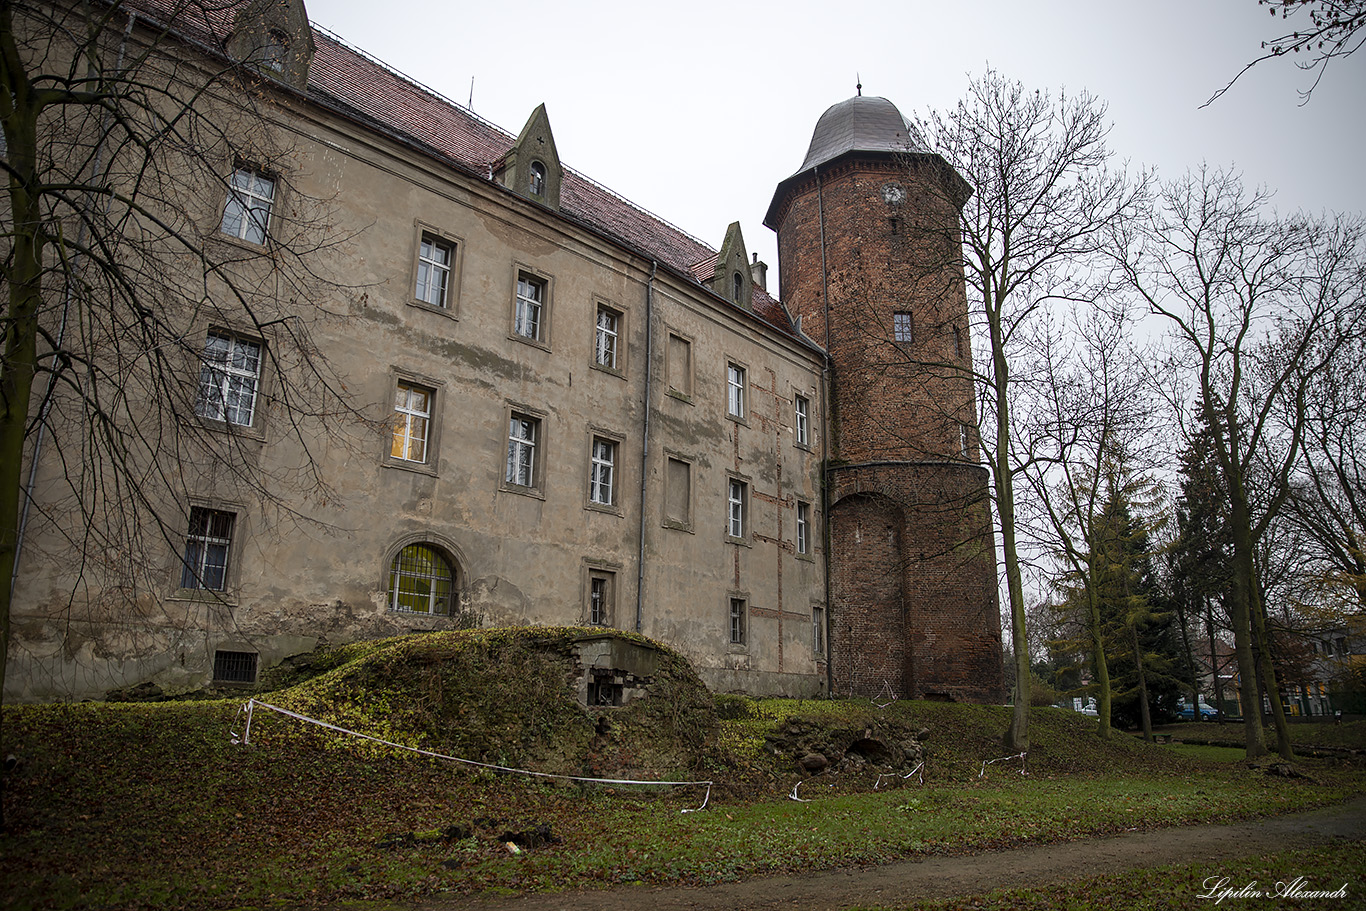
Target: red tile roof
(344,78)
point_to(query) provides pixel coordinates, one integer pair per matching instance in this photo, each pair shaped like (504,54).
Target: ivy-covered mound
(508,697)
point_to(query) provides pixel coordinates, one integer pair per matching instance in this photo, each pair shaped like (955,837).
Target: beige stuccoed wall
(522,559)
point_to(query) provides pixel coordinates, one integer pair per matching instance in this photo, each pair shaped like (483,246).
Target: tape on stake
(1019,756)
(252,703)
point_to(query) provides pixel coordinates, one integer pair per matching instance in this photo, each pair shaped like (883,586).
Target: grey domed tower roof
(861,124)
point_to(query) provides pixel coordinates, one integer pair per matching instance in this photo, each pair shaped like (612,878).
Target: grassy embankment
(152,805)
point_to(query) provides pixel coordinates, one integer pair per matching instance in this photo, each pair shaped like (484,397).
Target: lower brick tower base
(914,610)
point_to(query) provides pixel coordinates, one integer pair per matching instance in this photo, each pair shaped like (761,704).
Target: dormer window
(737,288)
(537,186)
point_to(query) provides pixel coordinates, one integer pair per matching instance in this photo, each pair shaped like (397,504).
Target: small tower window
(737,288)
(275,51)
(903,328)
(537,179)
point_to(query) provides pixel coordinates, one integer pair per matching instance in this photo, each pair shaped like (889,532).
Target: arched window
(737,287)
(421,580)
(275,51)
(537,178)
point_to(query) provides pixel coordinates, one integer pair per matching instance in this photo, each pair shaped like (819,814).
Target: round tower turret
(869,261)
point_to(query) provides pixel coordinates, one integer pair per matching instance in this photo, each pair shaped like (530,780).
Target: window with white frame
(434,259)
(529,321)
(412,422)
(803,527)
(524,433)
(251,194)
(801,420)
(903,326)
(601,597)
(208,547)
(735,390)
(736,505)
(606,337)
(421,580)
(229,379)
(964,440)
(602,472)
(737,621)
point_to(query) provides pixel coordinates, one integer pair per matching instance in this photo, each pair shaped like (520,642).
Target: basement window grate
(234,667)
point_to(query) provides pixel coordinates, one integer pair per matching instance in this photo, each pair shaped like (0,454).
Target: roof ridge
(395,71)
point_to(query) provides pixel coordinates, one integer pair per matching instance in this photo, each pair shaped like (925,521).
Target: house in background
(577,414)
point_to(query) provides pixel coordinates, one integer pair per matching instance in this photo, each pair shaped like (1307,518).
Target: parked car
(1186,713)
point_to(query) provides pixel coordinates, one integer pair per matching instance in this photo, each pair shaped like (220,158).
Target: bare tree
(1090,422)
(145,207)
(1256,307)
(1331,30)
(1043,195)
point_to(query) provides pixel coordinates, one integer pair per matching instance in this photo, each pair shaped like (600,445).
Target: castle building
(567,411)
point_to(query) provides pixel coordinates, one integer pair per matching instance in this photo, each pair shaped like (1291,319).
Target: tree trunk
(1143,713)
(1100,666)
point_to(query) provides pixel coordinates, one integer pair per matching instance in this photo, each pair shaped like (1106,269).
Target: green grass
(152,806)
(1179,887)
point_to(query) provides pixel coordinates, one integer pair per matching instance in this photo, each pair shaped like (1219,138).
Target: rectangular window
(247,213)
(964,440)
(234,667)
(735,524)
(601,597)
(957,341)
(228,379)
(523,437)
(680,365)
(735,390)
(606,337)
(903,328)
(434,259)
(530,318)
(678,493)
(818,631)
(801,421)
(602,472)
(208,544)
(803,527)
(412,422)
(737,621)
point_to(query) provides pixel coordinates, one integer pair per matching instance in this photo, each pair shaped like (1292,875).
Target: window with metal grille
(234,667)
(421,580)
(208,545)
(737,621)
(600,598)
(228,379)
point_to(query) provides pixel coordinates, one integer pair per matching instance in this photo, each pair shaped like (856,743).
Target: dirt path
(947,877)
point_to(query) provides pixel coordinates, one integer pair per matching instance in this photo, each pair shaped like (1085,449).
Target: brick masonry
(914,606)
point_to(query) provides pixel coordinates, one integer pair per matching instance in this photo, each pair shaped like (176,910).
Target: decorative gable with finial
(733,280)
(274,37)
(531,168)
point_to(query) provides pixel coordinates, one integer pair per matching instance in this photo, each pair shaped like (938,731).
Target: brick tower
(868,234)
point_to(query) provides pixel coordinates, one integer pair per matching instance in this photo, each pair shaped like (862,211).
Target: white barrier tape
(1019,756)
(246,739)
(920,767)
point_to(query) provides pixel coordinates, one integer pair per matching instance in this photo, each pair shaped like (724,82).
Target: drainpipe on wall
(645,443)
(825,439)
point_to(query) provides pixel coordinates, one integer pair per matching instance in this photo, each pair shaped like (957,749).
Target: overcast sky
(697,110)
